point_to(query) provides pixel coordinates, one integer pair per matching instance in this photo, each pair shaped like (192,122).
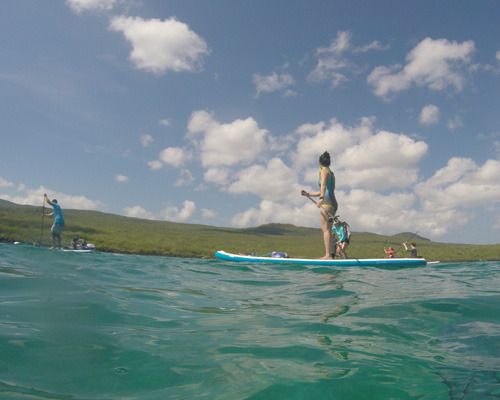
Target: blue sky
(216,112)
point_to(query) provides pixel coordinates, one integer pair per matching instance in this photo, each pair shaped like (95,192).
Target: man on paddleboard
(58,225)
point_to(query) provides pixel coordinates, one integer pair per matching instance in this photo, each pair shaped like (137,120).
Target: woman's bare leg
(326,226)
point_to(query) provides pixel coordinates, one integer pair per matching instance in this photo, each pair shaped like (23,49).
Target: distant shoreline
(112,233)
(96,250)
(152,254)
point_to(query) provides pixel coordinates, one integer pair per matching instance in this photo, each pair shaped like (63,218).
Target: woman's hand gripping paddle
(304,193)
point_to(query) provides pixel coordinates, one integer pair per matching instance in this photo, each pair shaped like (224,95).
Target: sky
(216,112)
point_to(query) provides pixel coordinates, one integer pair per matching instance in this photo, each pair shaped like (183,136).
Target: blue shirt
(58,215)
(340,232)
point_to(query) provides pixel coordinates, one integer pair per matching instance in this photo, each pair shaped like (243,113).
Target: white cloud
(338,45)
(461,184)
(218,176)
(364,210)
(34,197)
(174,156)
(435,64)
(289,93)
(377,174)
(375,45)
(272,82)
(146,140)
(369,210)
(429,115)
(456,168)
(314,139)
(378,178)
(276,181)
(90,5)
(497,223)
(185,178)
(121,178)
(155,164)
(455,123)
(331,61)
(239,142)
(388,79)
(176,215)
(164,122)
(268,211)
(208,213)
(360,156)
(395,212)
(161,46)
(4,183)
(334,65)
(365,162)
(169,213)
(300,212)
(138,212)
(382,161)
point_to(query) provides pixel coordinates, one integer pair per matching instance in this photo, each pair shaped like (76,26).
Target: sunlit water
(108,326)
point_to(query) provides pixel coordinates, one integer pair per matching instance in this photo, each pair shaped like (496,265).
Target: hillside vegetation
(114,233)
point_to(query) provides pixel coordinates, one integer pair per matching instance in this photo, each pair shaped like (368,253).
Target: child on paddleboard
(390,252)
(343,240)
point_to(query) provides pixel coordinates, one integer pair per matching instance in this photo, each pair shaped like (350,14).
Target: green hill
(114,233)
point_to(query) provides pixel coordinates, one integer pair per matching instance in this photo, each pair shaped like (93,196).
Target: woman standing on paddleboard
(327,202)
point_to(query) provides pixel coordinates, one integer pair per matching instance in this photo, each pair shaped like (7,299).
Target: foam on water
(106,326)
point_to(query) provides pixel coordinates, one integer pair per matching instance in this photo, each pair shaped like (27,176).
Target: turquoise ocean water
(108,326)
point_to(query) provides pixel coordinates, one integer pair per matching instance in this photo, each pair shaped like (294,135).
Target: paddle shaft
(43,215)
(323,208)
(411,237)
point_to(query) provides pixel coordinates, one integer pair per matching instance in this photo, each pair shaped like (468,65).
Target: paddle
(304,193)
(411,237)
(43,215)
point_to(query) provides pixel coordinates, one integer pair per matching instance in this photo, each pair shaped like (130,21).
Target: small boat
(367,262)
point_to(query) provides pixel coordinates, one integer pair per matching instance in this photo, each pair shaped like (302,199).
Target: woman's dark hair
(324,159)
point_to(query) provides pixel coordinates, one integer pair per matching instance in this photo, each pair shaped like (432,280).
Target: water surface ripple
(110,326)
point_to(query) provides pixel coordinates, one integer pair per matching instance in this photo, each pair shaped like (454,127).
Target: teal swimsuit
(329,199)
